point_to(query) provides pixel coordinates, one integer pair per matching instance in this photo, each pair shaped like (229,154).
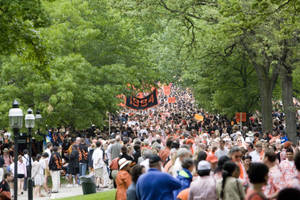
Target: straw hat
(123,162)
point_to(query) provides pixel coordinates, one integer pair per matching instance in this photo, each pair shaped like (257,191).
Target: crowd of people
(167,152)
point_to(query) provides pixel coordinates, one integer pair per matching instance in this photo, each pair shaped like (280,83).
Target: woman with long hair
(38,175)
(218,172)
(230,187)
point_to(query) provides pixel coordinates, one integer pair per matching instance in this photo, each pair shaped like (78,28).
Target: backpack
(114,164)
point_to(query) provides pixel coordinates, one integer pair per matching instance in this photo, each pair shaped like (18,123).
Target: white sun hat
(123,162)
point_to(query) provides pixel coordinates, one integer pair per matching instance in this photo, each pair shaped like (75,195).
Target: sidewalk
(63,192)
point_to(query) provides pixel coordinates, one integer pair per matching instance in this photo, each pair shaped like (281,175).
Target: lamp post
(29,123)
(38,119)
(15,122)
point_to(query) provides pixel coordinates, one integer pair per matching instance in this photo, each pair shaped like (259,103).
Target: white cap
(248,140)
(203,165)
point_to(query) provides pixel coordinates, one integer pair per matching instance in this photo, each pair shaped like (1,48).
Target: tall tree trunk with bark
(266,81)
(288,104)
(266,90)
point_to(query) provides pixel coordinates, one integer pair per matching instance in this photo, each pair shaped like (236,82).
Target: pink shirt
(288,170)
(295,182)
(275,182)
(203,188)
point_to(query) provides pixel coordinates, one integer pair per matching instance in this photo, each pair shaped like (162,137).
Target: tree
(259,28)
(19,21)
(93,57)
(269,34)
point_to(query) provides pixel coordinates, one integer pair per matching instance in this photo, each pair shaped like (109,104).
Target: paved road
(63,192)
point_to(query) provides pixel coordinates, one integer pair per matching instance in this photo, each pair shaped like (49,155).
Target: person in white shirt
(26,162)
(22,173)
(182,153)
(222,151)
(44,164)
(257,154)
(48,150)
(98,163)
(108,150)
(38,175)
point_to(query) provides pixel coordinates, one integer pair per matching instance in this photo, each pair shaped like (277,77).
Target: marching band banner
(142,103)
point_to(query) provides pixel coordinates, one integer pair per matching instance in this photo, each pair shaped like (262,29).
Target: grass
(108,195)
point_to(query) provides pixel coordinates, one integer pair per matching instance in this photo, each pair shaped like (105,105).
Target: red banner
(167,90)
(238,117)
(172,100)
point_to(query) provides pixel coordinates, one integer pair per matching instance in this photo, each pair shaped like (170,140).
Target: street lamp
(29,123)
(38,116)
(15,122)
(38,119)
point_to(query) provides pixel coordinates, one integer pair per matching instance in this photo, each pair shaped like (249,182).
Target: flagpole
(109,124)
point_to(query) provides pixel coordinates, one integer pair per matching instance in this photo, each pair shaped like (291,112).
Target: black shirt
(4,186)
(1,161)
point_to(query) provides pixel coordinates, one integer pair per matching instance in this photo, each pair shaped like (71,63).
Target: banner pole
(109,124)
(241,123)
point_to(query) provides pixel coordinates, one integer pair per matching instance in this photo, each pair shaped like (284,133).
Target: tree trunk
(266,90)
(266,104)
(288,105)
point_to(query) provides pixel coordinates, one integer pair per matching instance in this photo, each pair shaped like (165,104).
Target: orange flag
(167,90)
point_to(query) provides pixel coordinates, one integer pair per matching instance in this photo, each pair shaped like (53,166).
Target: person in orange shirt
(164,154)
(123,179)
(190,142)
(183,195)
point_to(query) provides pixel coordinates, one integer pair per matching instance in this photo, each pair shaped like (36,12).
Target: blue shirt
(185,177)
(156,185)
(283,139)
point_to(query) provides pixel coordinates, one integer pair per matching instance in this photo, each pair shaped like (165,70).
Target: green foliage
(94,48)
(93,55)
(19,22)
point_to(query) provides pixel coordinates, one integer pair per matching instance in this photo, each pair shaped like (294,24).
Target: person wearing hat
(204,187)
(123,179)
(156,184)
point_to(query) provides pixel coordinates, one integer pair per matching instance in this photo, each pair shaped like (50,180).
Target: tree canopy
(231,53)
